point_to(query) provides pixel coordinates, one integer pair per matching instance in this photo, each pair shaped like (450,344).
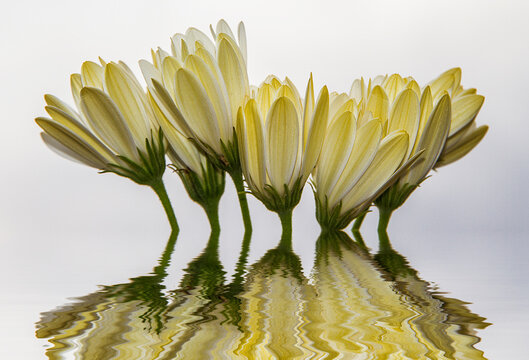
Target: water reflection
(352,306)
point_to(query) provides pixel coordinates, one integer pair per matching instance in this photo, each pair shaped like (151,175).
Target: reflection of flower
(113,129)
(359,310)
(354,305)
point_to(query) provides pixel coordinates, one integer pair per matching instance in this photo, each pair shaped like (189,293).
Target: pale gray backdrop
(64,229)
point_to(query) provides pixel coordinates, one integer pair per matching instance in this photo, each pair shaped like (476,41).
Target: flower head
(280,138)
(200,87)
(113,127)
(438,119)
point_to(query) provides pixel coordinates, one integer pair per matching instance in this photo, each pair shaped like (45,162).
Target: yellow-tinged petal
(367,140)
(378,104)
(176,46)
(184,50)
(265,98)
(210,61)
(335,152)
(364,118)
(348,106)
(107,122)
(393,86)
(127,97)
(54,101)
(92,74)
(308,109)
(76,84)
(224,28)
(184,150)
(358,90)
(194,103)
(463,147)
(194,35)
(85,153)
(405,116)
(389,156)
(57,147)
(214,92)
(81,131)
(432,141)
(162,100)
(149,72)
(412,84)
(241,33)
(170,66)
(254,145)
(426,106)
(291,93)
(316,133)
(336,102)
(447,81)
(464,110)
(234,73)
(282,142)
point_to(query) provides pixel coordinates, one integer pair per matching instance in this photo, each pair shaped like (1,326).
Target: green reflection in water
(353,306)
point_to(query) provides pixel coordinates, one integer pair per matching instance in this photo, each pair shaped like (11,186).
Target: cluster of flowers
(375,144)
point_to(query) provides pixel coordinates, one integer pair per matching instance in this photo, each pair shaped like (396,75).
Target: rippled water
(352,304)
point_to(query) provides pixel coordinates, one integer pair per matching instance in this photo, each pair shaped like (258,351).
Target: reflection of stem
(236,176)
(166,255)
(159,188)
(286,223)
(356,229)
(243,257)
(383,238)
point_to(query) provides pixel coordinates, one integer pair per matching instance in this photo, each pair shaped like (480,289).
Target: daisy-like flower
(199,88)
(464,135)
(203,181)
(113,127)
(433,117)
(280,139)
(357,163)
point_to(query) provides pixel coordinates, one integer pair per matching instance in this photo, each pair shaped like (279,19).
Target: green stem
(286,224)
(212,211)
(159,188)
(356,229)
(383,238)
(236,176)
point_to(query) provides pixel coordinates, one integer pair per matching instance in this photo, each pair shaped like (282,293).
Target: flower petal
(253,145)
(463,147)
(378,104)
(80,149)
(282,142)
(215,95)
(335,152)
(464,110)
(365,147)
(316,133)
(387,159)
(234,73)
(107,122)
(405,116)
(128,99)
(432,141)
(193,101)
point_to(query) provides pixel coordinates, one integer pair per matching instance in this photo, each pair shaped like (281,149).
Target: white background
(64,228)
